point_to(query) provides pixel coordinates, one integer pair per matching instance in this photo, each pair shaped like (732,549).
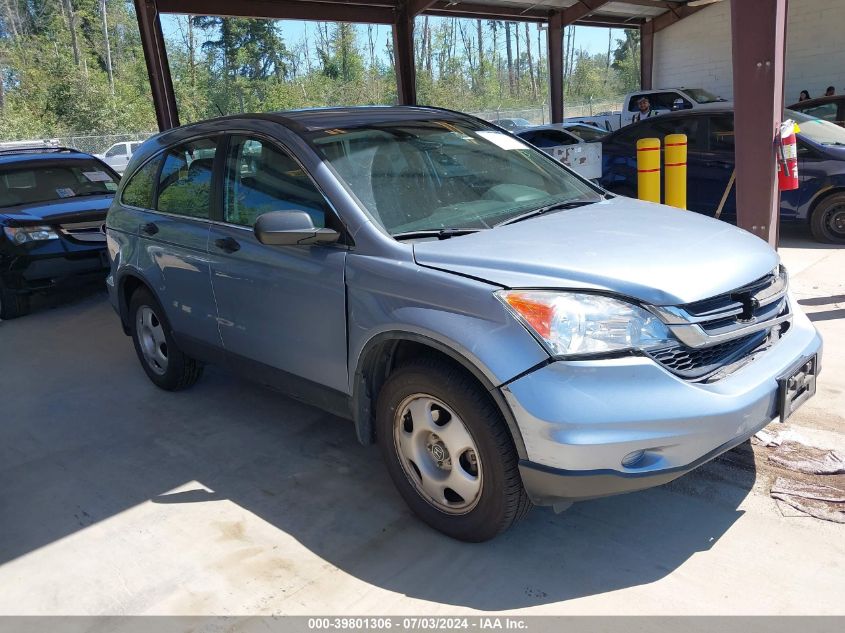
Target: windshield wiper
(557,206)
(440,234)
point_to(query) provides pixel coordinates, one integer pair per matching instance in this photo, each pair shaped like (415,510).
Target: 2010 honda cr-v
(506,331)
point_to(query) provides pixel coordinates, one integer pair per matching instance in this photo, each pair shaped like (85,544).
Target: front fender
(458,313)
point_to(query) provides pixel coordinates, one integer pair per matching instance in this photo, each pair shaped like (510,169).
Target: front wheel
(827,224)
(449,452)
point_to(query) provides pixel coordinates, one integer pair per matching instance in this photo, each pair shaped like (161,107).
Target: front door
(281,309)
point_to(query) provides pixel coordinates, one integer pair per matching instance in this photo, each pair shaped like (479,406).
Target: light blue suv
(506,331)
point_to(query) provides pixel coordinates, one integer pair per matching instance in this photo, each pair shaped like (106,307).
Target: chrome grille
(755,307)
(719,332)
(84,231)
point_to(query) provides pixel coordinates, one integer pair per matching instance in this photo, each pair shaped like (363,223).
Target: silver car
(508,333)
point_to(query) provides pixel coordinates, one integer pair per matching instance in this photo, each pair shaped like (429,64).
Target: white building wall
(696,51)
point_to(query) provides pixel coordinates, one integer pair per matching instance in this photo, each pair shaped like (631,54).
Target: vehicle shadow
(85,437)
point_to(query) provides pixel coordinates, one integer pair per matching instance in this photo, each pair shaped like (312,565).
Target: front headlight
(24,234)
(571,323)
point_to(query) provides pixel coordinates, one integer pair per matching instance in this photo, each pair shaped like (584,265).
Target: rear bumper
(579,420)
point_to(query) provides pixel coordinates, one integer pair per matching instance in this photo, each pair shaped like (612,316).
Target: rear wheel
(12,304)
(827,223)
(449,452)
(165,364)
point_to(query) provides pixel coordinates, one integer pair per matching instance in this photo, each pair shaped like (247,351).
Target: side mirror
(291,228)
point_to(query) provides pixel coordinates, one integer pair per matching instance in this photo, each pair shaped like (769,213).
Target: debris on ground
(765,437)
(808,459)
(820,500)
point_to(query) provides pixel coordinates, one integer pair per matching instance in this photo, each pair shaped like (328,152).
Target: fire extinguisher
(787,157)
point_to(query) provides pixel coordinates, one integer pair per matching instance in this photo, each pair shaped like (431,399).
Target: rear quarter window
(139,189)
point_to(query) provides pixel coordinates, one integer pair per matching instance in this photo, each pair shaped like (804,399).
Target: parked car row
(819,201)
(508,332)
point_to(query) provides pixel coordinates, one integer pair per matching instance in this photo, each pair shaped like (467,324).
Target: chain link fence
(98,143)
(540,115)
(93,143)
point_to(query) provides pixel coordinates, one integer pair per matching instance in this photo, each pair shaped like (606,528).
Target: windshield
(429,175)
(47,181)
(817,130)
(586,133)
(702,96)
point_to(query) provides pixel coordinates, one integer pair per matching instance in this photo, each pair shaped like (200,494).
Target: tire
(479,457)
(827,223)
(166,365)
(12,304)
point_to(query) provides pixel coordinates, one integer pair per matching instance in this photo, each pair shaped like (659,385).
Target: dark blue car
(53,203)
(820,200)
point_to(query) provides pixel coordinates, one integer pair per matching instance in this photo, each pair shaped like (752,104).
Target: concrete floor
(118,498)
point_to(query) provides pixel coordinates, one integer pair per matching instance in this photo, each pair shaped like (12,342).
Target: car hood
(653,253)
(83,209)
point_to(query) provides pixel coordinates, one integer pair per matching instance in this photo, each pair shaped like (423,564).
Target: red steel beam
(758,34)
(674,15)
(646,55)
(158,68)
(580,9)
(403,55)
(486,12)
(377,12)
(554,42)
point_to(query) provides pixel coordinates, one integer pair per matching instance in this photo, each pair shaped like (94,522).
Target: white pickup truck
(662,100)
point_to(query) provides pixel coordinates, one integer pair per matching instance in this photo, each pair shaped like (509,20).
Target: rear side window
(664,101)
(660,127)
(117,150)
(138,192)
(184,186)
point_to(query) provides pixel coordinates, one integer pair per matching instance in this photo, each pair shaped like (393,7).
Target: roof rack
(5,151)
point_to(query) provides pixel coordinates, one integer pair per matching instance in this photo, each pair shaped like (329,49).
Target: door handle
(150,228)
(228,244)
(719,163)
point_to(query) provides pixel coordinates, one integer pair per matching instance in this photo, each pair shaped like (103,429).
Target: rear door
(173,239)
(281,309)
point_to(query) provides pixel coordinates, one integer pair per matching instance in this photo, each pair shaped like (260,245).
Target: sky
(591,39)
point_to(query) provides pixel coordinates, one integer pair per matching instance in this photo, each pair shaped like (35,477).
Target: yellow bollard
(648,169)
(676,170)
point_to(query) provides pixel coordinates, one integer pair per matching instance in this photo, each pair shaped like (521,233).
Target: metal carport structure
(758,36)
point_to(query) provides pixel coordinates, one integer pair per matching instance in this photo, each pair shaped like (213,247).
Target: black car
(819,200)
(53,204)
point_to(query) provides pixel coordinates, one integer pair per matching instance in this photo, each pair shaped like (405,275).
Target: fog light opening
(632,459)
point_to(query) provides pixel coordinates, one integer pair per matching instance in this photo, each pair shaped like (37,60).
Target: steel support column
(758,29)
(554,43)
(158,69)
(646,55)
(403,53)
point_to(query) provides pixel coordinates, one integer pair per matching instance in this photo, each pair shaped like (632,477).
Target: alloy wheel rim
(438,454)
(151,337)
